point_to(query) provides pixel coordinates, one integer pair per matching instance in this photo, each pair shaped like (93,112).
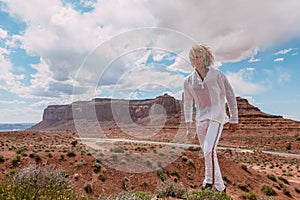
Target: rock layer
(61,117)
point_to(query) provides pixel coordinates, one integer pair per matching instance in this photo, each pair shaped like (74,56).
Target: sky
(61,51)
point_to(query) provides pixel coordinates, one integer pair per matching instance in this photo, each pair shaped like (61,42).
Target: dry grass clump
(35,182)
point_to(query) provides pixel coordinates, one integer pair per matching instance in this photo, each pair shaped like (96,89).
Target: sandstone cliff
(61,117)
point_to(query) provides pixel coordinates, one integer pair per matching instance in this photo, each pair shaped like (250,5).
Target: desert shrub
(283,180)
(190,162)
(62,157)
(168,189)
(243,186)
(74,142)
(37,158)
(161,175)
(207,195)
(96,167)
(34,182)
(127,196)
(268,190)
(272,177)
(142,196)
(249,195)
(286,192)
(297,190)
(184,158)
(175,173)
(88,188)
(194,148)
(15,160)
(71,154)
(21,150)
(289,146)
(101,177)
(2,159)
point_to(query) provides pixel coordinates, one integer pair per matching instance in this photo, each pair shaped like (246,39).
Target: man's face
(198,60)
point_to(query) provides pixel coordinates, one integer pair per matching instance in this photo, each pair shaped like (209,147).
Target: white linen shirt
(209,96)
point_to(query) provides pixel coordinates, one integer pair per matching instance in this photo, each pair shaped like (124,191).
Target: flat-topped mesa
(55,113)
(105,109)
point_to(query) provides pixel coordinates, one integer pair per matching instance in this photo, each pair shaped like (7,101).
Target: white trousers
(209,133)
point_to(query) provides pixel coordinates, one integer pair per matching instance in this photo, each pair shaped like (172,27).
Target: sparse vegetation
(268,190)
(34,182)
(243,186)
(286,192)
(207,195)
(71,154)
(160,173)
(168,189)
(194,148)
(249,195)
(2,159)
(283,179)
(272,177)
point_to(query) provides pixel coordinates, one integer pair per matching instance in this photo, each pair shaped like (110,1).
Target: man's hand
(233,127)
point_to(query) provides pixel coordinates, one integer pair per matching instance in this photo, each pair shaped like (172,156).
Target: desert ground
(128,162)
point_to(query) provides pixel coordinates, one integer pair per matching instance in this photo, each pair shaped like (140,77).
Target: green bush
(127,196)
(161,175)
(249,195)
(142,196)
(34,182)
(297,190)
(168,189)
(71,154)
(272,177)
(286,192)
(194,148)
(243,186)
(15,160)
(268,190)
(207,195)
(2,159)
(283,180)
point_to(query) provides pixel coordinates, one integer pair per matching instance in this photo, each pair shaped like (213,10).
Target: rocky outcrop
(104,109)
(62,117)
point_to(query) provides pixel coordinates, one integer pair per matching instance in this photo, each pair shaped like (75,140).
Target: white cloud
(3,51)
(181,64)
(63,37)
(3,33)
(284,51)
(241,84)
(11,102)
(158,57)
(253,60)
(279,60)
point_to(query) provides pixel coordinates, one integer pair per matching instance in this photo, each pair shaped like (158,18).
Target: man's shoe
(223,191)
(208,186)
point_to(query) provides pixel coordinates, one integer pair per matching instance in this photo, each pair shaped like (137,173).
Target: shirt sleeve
(187,103)
(231,100)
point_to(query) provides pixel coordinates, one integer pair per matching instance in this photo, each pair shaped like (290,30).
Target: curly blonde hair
(206,53)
